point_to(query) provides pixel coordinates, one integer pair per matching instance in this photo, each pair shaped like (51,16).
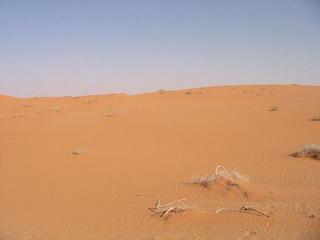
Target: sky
(77,47)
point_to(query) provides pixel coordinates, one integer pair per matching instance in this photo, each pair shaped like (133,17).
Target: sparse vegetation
(78,151)
(161,91)
(273,108)
(51,109)
(188,93)
(315,118)
(308,150)
(88,101)
(111,112)
(204,181)
(221,175)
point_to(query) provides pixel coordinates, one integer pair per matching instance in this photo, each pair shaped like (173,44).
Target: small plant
(315,119)
(308,150)
(161,91)
(204,181)
(88,101)
(221,175)
(51,109)
(111,112)
(188,93)
(56,109)
(78,151)
(273,108)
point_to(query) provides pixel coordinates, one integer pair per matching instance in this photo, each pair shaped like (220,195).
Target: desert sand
(89,167)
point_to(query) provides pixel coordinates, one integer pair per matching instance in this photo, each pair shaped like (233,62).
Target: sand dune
(89,167)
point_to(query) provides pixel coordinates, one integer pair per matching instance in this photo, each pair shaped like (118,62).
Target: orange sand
(130,151)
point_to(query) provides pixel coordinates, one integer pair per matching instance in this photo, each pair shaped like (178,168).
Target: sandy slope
(134,150)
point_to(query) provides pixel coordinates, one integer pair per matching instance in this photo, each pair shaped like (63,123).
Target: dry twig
(244,209)
(166,209)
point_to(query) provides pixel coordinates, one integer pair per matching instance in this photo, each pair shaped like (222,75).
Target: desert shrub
(78,151)
(111,112)
(315,118)
(309,150)
(273,108)
(204,181)
(221,175)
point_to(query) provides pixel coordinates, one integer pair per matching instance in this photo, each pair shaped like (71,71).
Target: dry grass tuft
(111,112)
(78,151)
(315,118)
(221,175)
(204,181)
(88,101)
(273,108)
(308,150)
(51,109)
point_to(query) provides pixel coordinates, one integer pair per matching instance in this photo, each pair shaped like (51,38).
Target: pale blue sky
(62,47)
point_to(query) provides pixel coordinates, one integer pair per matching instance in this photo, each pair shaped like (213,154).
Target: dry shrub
(88,101)
(111,112)
(204,181)
(51,109)
(78,151)
(308,150)
(273,108)
(315,118)
(221,175)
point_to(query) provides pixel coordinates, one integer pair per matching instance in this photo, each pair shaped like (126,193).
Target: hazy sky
(65,47)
